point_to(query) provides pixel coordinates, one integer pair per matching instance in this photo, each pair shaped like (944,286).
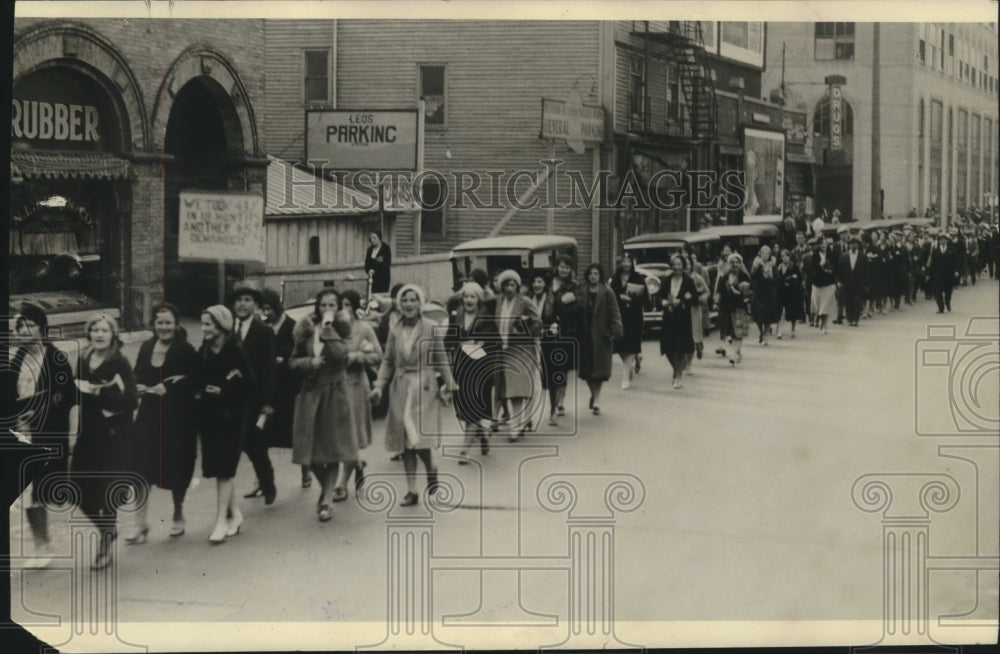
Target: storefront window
(67,193)
(60,239)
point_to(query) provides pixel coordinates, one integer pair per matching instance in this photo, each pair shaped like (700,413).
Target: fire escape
(682,45)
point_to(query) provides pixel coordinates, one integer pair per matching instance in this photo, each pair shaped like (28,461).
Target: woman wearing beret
(414,359)
(224,411)
(322,438)
(516,364)
(108,396)
(677,295)
(601,326)
(167,374)
(472,342)
(42,396)
(630,290)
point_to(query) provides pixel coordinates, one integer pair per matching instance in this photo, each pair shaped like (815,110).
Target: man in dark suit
(837,250)
(851,280)
(257,340)
(942,272)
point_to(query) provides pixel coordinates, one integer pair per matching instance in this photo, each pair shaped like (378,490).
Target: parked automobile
(526,254)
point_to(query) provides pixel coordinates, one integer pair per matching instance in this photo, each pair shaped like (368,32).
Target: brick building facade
(175,106)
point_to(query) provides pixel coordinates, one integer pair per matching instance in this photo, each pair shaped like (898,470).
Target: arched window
(821,118)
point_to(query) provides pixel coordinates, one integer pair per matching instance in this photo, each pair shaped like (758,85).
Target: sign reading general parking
(362,140)
(572,121)
(221,226)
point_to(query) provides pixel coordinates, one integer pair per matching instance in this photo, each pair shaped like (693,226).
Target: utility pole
(876,172)
(783,74)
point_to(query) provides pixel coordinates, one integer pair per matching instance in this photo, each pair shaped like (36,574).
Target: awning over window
(68,165)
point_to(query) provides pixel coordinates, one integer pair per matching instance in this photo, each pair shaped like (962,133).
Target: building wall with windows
(938,83)
(483,84)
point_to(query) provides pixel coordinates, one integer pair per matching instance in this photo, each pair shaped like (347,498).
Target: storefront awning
(68,165)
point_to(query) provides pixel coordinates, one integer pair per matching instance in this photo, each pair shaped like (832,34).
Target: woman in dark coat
(278,428)
(766,304)
(551,350)
(471,342)
(677,295)
(601,327)
(629,288)
(563,352)
(321,436)
(108,396)
(378,262)
(791,291)
(224,413)
(167,374)
(41,397)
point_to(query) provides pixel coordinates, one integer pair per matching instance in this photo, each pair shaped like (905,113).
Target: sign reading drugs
(572,121)
(835,82)
(221,226)
(362,140)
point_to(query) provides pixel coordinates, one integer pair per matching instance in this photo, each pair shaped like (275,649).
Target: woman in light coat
(517,377)
(321,436)
(414,358)
(601,327)
(363,352)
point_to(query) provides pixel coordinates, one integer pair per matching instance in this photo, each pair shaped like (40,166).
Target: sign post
(575,124)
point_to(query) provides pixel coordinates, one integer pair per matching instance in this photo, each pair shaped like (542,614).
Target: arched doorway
(203,138)
(834,169)
(70,194)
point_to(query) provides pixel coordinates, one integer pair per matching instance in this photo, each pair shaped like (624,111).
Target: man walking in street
(838,250)
(257,340)
(851,280)
(942,272)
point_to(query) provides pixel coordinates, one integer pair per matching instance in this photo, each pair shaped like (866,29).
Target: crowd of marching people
(259,379)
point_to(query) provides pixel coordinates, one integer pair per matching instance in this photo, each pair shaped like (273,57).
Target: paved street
(747,515)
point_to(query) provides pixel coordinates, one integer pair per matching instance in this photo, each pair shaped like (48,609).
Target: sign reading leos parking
(221,226)
(362,140)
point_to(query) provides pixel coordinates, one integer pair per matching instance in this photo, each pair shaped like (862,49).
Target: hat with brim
(244,288)
(843,229)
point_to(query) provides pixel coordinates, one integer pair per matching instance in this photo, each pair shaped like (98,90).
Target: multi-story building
(104,138)
(483,82)
(937,111)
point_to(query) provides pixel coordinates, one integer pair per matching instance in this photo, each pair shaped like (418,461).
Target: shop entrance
(202,135)
(834,190)
(70,197)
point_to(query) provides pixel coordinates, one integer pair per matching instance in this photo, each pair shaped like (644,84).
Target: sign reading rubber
(221,226)
(362,140)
